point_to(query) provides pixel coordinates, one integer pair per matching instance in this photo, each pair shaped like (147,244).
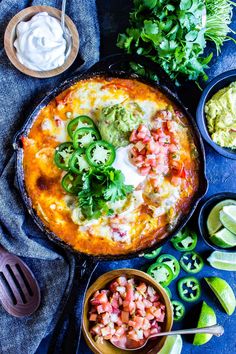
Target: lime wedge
(223,292)
(173,345)
(213,221)
(207,317)
(224,238)
(228,217)
(223,260)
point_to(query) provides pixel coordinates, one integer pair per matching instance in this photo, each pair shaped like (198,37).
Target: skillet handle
(67,334)
(120,62)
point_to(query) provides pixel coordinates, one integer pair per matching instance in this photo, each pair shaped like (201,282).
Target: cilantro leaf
(101,185)
(170,33)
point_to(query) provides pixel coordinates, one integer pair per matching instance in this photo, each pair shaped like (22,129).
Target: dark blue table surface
(221,175)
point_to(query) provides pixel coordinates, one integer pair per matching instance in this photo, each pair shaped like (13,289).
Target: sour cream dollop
(123,164)
(39,43)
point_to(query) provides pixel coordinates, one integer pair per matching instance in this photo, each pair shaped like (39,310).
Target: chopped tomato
(146,333)
(129,306)
(114,317)
(144,171)
(113,286)
(130,292)
(140,305)
(126,311)
(133,335)
(107,307)
(114,302)
(122,281)
(125,316)
(97,329)
(138,322)
(106,331)
(147,303)
(100,298)
(105,318)
(154,331)
(142,288)
(120,331)
(150,151)
(93,317)
(149,315)
(146,324)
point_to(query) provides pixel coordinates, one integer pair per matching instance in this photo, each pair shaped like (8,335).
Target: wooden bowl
(25,15)
(153,346)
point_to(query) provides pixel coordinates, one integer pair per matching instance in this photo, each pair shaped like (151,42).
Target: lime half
(207,318)
(223,260)
(213,221)
(228,217)
(223,292)
(173,345)
(224,238)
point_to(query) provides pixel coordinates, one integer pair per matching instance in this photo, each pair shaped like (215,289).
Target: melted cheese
(136,222)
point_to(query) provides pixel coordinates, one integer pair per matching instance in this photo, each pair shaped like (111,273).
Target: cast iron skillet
(113,66)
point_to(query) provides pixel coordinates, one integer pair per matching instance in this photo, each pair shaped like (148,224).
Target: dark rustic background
(113,16)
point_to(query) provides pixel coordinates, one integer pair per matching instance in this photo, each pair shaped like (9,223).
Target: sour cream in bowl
(36,45)
(39,43)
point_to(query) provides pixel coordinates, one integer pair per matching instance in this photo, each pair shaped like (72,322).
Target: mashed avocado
(117,122)
(221,116)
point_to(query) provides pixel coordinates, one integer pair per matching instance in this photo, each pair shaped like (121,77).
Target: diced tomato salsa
(127,310)
(154,151)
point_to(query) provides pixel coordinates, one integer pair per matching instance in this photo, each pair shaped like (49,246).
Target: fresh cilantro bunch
(101,185)
(173,33)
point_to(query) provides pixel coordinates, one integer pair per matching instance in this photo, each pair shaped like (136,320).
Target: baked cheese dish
(110,165)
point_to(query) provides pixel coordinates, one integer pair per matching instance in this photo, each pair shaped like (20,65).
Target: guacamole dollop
(116,123)
(221,116)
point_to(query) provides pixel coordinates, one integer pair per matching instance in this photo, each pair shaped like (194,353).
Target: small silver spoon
(66,33)
(131,345)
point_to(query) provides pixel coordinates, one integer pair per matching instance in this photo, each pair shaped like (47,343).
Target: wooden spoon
(19,291)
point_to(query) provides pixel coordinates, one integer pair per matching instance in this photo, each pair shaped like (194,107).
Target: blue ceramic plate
(214,86)
(204,213)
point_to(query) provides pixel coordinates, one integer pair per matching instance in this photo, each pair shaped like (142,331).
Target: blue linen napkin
(53,267)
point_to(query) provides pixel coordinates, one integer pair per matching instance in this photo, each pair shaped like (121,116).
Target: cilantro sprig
(101,185)
(173,33)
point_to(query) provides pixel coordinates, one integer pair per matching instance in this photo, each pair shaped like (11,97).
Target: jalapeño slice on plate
(63,154)
(100,153)
(83,137)
(189,289)
(161,272)
(186,241)
(171,261)
(191,262)
(78,162)
(178,310)
(72,183)
(79,122)
(153,254)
